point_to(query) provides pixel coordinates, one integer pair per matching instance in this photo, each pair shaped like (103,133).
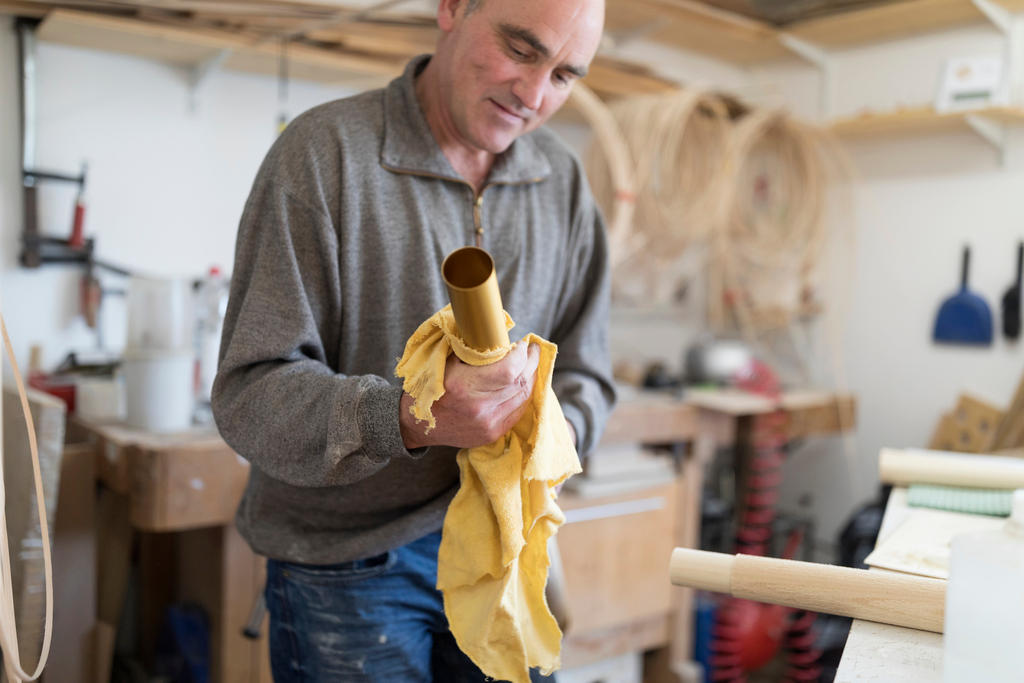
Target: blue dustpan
(964,318)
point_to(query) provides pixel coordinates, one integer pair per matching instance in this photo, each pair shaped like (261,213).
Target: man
(337,263)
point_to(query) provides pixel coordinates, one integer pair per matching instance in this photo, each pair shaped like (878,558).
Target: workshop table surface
(891,654)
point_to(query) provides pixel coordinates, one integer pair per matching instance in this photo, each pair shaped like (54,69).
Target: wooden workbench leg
(71,657)
(114,536)
(675,663)
(243,574)
(156,588)
(218,571)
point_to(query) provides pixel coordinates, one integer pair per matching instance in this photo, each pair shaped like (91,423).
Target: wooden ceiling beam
(696,27)
(612,78)
(192,46)
(22,9)
(889,21)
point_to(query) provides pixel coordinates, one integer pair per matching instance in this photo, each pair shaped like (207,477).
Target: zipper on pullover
(478,199)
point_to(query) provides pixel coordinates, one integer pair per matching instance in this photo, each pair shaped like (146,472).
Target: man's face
(510,64)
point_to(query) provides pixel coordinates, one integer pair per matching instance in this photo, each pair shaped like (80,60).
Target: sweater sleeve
(276,399)
(582,377)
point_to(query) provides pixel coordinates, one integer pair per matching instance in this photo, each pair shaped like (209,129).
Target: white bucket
(158,390)
(99,398)
(161,314)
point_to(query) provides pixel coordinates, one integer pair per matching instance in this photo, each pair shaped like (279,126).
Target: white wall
(166,184)
(916,200)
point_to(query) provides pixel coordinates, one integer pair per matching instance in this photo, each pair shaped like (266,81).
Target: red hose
(746,635)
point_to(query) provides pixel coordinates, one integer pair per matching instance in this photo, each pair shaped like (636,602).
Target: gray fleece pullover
(337,262)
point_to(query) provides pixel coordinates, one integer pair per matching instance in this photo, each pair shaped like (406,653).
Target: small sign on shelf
(971,83)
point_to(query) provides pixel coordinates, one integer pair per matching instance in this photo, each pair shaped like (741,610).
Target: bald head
(505,66)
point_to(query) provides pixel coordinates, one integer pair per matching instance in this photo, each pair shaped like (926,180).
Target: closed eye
(562,78)
(517,51)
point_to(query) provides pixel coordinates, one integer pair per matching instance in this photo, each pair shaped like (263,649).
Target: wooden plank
(24,533)
(581,649)
(129,36)
(114,542)
(157,587)
(217,570)
(837,415)
(193,46)
(199,571)
(899,122)
(313,64)
(74,571)
(175,481)
(810,412)
(381,38)
(615,78)
(885,21)
(652,419)
(114,553)
(685,24)
(105,637)
(731,401)
(1010,433)
(23,9)
(674,662)
(115,440)
(696,27)
(185,488)
(918,120)
(600,545)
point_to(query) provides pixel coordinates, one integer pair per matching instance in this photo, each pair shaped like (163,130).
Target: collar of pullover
(410,147)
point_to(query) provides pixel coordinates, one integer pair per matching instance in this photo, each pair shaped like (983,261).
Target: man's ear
(448,11)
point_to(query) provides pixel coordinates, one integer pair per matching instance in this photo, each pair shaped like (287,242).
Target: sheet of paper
(920,545)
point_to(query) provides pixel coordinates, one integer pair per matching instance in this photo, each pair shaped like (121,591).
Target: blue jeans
(377,620)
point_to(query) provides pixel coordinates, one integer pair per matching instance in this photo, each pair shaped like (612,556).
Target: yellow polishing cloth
(493,563)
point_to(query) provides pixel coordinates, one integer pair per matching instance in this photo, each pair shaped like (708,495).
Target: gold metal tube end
(476,300)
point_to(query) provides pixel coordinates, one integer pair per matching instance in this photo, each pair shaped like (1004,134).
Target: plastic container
(211,306)
(984,623)
(158,389)
(160,315)
(99,398)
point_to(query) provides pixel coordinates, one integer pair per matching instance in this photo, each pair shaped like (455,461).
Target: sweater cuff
(378,423)
(579,423)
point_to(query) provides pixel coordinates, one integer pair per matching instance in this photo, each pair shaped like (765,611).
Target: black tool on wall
(1011,300)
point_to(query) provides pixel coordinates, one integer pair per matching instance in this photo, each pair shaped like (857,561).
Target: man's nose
(529,88)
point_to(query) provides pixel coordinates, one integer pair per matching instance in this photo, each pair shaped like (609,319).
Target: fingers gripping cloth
(493,563)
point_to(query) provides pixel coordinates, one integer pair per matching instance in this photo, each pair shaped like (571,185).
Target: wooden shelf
(921,120)
(891,21)
(696,27)
(731,37)
(687,25)
(191,46)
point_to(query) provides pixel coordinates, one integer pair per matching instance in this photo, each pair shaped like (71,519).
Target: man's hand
(479,405)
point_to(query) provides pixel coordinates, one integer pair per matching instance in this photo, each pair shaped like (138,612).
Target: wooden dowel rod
(903,467)
(898,599)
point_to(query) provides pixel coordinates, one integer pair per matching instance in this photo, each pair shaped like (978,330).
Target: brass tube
(476,301)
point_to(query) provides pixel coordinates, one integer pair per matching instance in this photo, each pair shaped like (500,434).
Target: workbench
(180,492)
(696,426)
(890,654)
